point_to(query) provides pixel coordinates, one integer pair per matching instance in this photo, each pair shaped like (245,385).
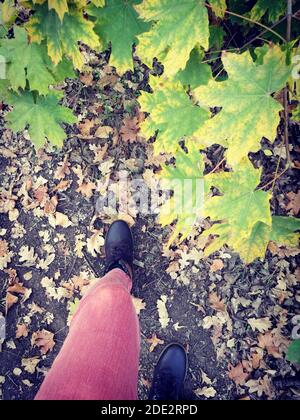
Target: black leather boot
(169,374)
(119,248)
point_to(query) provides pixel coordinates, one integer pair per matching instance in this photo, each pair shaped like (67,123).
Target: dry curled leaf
(131,128)
(27,256)
(86,78)
(162,311)
(216,303)
(274,343)
(217,265)
(154,341)
(207,392)
(138,304)
(85,128)
(238,374)
(43,340)
(21,331)
(63,169)
(10,300)
(261,386)
(86,189)
(5,254)
(262,325)
(17,288)
(95,243)
(80,282)
(103,132)
(59,219)
(294,203)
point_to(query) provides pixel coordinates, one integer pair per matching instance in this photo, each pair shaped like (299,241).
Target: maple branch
(286,89)
(289,20)
(262,33)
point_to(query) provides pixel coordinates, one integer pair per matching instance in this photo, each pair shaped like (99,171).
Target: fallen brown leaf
(10,300)
(216,303)
(85,128)
(146,383)
(79,282)
(21,331)
(217,265)
(238,374)
(17,288)
(274,343)
(294,203)
(256,360)
(86,78)
(86,189)
(131,127)
(103,132)
(43,340)
(62,169)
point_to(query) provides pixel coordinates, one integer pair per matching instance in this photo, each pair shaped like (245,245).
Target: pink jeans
(100,356)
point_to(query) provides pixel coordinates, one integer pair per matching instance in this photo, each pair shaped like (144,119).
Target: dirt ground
(209,301)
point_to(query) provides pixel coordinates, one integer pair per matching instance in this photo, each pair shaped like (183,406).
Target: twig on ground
(217,166)
(274,179)
(71,269)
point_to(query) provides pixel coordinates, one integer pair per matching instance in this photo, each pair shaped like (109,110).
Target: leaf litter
(234,320)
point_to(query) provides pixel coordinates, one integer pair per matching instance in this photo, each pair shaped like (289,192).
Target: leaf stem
(274,179)
(217,166)
(262,33)
(252,21)
(278,165)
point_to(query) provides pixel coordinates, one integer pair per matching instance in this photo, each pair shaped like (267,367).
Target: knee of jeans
(113,295)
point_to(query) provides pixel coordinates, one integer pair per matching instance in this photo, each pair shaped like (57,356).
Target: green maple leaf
(187,179)
(239,126)
(43,115)
(118,23)
(8,12)
(62,37)
(178,26)
(30,62)
(293,354)
(273,9)
(60,6)
(216,38)
(250,248)
(219,7)
(296,114)
(98,3)
(195,73)
(242,212)
(172,114)
(284,231)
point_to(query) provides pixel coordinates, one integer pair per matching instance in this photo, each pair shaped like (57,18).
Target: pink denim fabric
(100,356)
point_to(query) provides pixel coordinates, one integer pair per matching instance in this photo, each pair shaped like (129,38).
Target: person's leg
(100,357)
